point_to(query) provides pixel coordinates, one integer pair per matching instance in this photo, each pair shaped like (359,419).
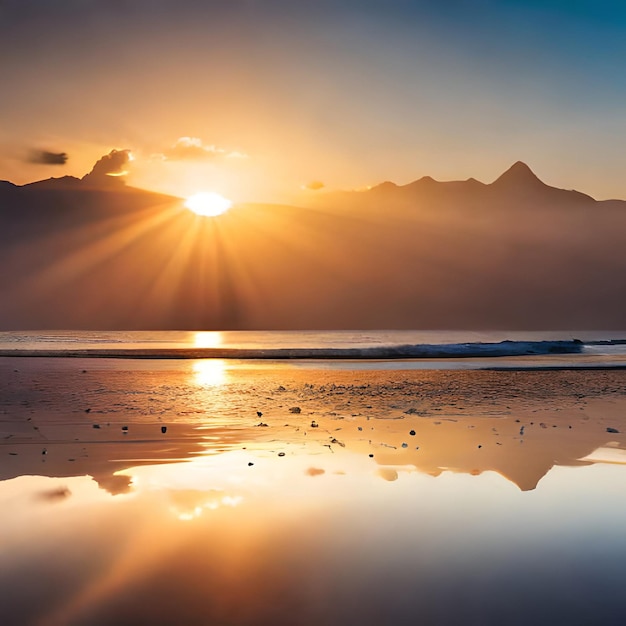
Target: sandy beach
(293,491)
(95,416)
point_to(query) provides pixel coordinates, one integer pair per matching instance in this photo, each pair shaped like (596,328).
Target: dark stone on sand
(295,409)
(612,430)
(281,454)
(371,456)
(314,424)
(405,445)
(412,433)
(479,446)
(44,451)
(250,464)
(125,429)
(259,414)
(95,425)
(163,429)
(261,424)
(87,410)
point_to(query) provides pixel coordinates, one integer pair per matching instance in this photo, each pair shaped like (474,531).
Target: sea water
(404,348)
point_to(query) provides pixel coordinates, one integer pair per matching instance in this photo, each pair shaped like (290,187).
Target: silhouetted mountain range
(516,253)
(517,186)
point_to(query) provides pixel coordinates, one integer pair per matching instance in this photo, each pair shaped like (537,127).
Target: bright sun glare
(208,204)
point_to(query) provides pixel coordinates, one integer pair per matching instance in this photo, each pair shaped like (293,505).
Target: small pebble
(44,451)
(405,445)
(87,410)
(612,430)
(95,425)
(479,446)
(250,464)
(125,429)
(412,433)
(295,409)
(259,413)
(371,456)
(163,429)
(281,454)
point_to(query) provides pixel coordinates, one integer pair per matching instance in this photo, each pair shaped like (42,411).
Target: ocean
(396,349)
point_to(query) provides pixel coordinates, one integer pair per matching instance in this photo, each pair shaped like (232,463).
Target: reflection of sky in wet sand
(218,541)
(478,499)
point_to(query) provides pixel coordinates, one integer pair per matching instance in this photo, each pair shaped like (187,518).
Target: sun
(208,204)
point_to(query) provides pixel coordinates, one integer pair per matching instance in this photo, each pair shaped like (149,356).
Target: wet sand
(277,485)
(67,417)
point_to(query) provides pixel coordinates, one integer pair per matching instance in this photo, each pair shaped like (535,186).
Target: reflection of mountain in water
(522,450)
(74,417)
(477,445)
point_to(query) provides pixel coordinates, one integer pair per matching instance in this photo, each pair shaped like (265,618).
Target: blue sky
(348,92)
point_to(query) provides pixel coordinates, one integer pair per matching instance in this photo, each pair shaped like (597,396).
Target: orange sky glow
(257,101)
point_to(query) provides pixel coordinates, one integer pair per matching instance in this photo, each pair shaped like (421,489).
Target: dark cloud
(110,165)
(48,158)
(54,495)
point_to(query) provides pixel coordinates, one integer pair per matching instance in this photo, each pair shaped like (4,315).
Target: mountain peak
(64,182)
(518,174)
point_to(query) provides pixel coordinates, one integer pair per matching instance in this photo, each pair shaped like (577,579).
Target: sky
(274,100)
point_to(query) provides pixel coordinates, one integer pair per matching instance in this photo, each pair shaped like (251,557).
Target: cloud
(54,495)
(48,158)
(110,165)
(193,149)
(314,185)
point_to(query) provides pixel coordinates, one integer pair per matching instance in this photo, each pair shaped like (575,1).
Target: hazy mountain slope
(513,254)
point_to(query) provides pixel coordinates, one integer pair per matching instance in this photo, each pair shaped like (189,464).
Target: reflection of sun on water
(207,339)
(209,372)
